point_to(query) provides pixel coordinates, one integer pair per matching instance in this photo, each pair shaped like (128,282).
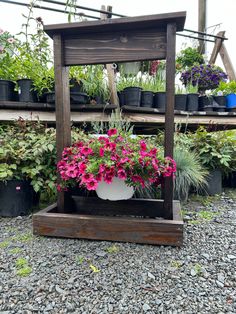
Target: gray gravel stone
(196,278)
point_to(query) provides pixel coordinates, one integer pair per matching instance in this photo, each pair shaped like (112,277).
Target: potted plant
(226,92)
(180,98)
(113,165)
(192,97)
(130,89)
(147,94)
(27,159)
(7,47)
(217,153)
(188,57)
(95,84)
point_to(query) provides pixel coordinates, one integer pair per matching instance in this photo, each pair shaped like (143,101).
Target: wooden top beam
(158,21)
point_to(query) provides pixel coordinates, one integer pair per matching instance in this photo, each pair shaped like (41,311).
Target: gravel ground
(49,275)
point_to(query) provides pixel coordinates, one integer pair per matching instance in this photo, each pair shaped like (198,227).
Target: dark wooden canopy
(157,21)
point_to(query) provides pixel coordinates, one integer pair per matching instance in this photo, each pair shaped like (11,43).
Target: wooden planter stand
(149,37)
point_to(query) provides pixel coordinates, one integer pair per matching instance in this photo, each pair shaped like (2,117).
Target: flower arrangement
(205,76)
(103,158)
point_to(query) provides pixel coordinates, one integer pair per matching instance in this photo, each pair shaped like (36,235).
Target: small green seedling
(24,271)
(198,269)
(206,215)
(79,260)
(21,262)
(94,268)
(16,250)
(24,237)
(112,249)
(4,244)
(175,264)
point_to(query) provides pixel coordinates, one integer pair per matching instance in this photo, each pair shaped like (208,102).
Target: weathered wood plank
(133,207)
(169,116)
(124,229)
(126,23)
(115,47)
(62,101)
(217,46)
(227,63)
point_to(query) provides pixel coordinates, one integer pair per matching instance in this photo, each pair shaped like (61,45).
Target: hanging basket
(115,191)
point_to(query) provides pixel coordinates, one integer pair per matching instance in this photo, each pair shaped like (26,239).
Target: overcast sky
(218,12)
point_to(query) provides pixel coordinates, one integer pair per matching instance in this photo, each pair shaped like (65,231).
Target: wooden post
(169,115)
(217,46)
(227,63)
(109,67)
(202,24)
(62,100)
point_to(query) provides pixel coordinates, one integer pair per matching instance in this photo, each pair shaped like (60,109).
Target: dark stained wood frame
(114,40)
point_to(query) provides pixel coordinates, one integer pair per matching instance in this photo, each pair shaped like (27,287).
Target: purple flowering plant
(205,76)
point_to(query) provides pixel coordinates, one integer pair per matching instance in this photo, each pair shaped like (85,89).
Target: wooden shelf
(138,116)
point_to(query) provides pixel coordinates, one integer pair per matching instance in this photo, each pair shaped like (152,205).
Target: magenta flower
(112,132)
(121,174)
(101,152)
(86,151)
(91,184)
(143,146)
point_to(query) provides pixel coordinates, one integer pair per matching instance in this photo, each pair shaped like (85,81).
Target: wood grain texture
(145,44)
(134,207)
(124,229)
(216,48)
(127,23)
(62,101)
(169,116)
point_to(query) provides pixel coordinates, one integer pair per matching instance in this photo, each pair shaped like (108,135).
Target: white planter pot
(115,191)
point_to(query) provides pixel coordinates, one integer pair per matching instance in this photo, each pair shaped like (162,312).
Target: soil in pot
(147,99)
(192,102)
(26,92)
(132,96)
(180,102)
(16,198)
(7,90)
(160,100)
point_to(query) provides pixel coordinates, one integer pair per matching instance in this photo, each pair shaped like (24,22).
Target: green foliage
(190,172)
(21,262)
(188,57)
(4,244)
(225,88)
(24,271)
(216,150)
(94,268)
(80,260)
(113,249)
(28,152)
(16,250)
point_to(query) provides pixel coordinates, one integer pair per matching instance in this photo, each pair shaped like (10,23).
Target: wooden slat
(138,230)
(62,100)
(227,63)
(126,23)
(217,46)
(169,116)
(115,47)
(133,207)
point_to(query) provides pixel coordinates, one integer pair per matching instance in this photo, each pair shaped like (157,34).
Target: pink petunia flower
(101,152)
(86,151)
(143,145)
(86,177)
(91,184)
(1,31)
(112,132)
(121,174)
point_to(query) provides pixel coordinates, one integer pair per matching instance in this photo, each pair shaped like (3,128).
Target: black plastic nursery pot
(214,181)
(192,102)
(7,90)
(76,87)
(147,99)
(26,92)
(121,97)
(220,100)
(180,102)
(205,102)
(132,96)
(17,198)
(160,100)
